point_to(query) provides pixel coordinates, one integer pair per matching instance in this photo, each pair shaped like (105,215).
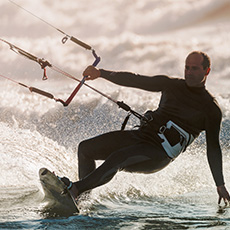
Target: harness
(171,136)
(174,139)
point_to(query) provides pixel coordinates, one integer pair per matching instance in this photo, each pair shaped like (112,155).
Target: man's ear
(208,71)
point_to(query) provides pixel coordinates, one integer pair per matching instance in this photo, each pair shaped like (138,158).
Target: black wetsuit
(193,109)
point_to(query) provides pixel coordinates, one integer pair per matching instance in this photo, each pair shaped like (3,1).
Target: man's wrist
(99,72)
(219,186)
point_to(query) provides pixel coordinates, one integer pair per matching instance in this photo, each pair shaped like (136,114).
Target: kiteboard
(56,195)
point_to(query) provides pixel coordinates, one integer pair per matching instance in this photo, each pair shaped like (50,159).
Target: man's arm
(156,83)
(214,153)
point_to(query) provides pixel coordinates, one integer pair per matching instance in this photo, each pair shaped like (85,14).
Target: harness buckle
(162,129)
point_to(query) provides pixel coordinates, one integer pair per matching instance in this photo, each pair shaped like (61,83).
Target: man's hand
(92,73)
(223,194)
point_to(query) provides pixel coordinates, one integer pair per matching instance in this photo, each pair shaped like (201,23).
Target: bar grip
(80,43)
(39,91)
(66,103)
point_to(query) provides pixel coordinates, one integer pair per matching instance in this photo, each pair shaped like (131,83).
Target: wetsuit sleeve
(214,154)
(156,83)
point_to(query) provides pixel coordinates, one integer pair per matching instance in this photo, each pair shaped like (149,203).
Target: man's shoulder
(164,82)
(211,98)
(212,105)
(174,78)
(170,78)
(173,82)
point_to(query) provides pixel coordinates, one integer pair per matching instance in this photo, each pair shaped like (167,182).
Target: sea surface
(148,37)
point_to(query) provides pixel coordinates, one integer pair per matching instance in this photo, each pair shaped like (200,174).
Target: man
(186,108)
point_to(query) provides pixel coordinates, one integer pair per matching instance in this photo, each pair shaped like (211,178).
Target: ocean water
(147,37)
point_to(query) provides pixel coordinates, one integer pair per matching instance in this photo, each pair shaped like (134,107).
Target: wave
(40,131)
(50,139)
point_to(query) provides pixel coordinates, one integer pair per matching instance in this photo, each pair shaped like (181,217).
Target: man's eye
(194,67)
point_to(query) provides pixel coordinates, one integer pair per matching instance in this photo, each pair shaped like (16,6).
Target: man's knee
(82,149)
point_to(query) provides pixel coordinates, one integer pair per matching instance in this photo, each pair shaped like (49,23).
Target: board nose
(43,171)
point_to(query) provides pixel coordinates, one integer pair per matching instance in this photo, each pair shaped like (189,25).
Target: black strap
(125,121)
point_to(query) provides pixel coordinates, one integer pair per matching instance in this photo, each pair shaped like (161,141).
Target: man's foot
(74,192)
(71,187)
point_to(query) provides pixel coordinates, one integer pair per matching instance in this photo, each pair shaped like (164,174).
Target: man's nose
(188,70)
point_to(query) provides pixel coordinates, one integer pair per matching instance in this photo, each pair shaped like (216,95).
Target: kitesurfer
(185,110)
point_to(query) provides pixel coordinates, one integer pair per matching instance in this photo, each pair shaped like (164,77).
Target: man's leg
(142,157)
(100,147)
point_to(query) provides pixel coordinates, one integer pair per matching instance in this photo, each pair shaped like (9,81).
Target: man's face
(195,74)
